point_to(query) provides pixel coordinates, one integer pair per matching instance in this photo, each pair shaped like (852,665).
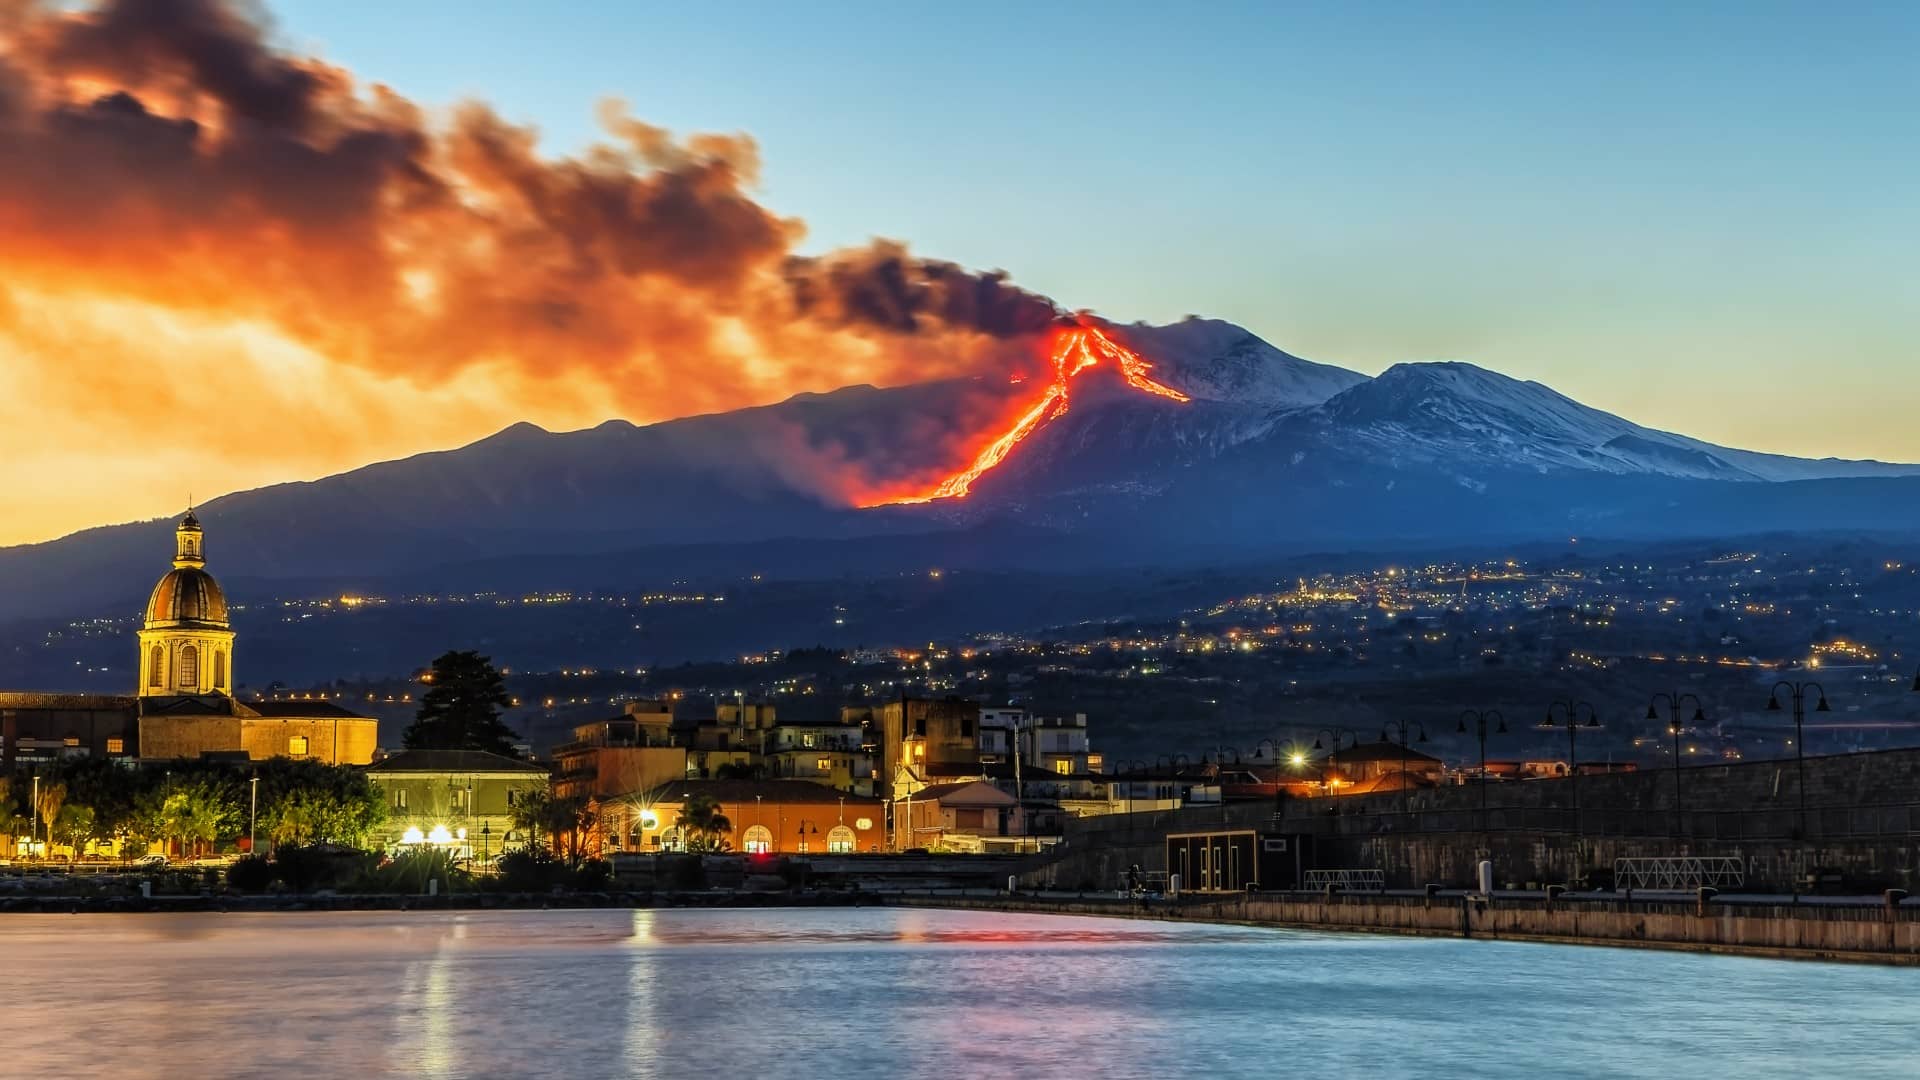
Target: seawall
(1859,932)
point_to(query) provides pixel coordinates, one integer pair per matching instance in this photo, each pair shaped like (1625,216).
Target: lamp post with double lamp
(1332,746)
(1402,728)
(1573,725)
(1675,702)
(1481,719)
(1121,769)
(807,828)
(1797,691)
(1260,750)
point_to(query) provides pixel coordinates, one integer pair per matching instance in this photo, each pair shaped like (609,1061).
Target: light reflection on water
(893,993)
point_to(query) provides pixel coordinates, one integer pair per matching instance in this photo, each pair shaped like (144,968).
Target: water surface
(894,993)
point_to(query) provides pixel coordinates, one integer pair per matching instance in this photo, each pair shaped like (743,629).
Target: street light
(253,813)
(1334,735)
(807,828)
(1402,727)
(1798,692)
(1480,718)
(1572,709)
(1673,702)
(33,844)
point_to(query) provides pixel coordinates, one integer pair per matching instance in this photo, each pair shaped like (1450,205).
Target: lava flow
(1075,349)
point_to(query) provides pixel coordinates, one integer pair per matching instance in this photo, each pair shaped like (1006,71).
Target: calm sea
(825,994)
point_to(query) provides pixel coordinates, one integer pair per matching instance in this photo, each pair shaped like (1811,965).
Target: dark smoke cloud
(164,151)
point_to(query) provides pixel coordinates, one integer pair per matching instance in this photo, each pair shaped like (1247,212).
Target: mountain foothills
(1272,455)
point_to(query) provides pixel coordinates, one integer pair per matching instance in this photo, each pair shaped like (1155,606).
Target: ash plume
(167,153)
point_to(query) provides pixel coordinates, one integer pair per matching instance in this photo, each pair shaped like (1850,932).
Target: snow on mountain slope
(1218,361)
(1461,413)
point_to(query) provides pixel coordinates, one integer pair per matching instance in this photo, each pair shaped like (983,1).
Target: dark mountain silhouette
(1274,455)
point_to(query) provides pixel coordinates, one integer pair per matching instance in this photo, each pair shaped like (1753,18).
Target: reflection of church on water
(183,705)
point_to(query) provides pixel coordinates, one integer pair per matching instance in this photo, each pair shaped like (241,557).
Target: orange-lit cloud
(225,265)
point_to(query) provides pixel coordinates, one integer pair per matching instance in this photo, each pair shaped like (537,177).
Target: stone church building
(183,705)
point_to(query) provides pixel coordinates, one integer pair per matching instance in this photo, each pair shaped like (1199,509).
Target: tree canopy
(462,709)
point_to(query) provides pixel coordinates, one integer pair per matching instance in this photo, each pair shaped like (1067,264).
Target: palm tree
(702,824)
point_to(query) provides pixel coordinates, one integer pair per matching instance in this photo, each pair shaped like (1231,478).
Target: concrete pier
(1853,930)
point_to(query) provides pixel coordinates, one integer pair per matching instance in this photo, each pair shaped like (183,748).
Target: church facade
(183,705)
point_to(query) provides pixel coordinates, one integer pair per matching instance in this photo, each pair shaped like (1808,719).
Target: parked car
(151,862)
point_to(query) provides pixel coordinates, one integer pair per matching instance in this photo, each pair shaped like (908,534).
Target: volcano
(1074,350)
(1136,444)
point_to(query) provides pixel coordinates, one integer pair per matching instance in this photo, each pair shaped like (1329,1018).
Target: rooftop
(453,761)
(789,792)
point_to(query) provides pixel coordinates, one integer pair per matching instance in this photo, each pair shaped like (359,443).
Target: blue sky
(1703,218)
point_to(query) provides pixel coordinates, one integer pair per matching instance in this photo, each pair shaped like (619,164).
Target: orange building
(766,816)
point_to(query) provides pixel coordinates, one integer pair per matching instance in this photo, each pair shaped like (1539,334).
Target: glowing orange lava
(1075,349)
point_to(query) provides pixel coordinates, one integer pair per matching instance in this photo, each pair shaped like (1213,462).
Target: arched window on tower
(220,669)
(157,667)
(189,668)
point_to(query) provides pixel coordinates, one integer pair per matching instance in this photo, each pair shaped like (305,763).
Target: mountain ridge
(1266,438)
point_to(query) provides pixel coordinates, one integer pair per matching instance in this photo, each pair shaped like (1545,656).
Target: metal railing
(1864,822)
(1687,872)
(1348,880)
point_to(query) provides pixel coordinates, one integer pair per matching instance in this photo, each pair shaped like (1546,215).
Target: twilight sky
(1703,219)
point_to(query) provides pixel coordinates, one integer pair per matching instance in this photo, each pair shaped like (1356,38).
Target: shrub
(410,871)
(530,870)
(306,867)
(594,875)
(251,874)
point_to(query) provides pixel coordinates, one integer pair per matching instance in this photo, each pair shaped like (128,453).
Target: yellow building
(187,708)
(184,705)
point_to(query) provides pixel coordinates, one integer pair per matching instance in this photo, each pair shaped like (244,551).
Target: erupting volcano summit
(1075,349)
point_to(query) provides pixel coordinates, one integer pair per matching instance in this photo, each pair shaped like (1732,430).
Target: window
(189,668)
(806,739)
(116,746)
(759,840)
(840,840)
(220,669)
(1064,766)
(157,667)
(399,798)
(919,751)
(297,746)
(966,727)
(824,765)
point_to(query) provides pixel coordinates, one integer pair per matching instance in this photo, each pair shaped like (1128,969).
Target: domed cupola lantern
(186,646)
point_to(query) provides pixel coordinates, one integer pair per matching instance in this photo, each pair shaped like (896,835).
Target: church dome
(187,596)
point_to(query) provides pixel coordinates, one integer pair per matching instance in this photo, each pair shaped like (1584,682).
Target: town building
(921,738)
(463,800)
(834,755)
(765,817)
(634,751)
(964,816)
(1379,766)
(183,705)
